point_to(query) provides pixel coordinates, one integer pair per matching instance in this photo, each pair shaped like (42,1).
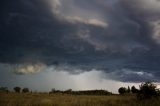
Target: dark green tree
(122,90)
(69,91)
(128,90)
(4,89)
(134,89)
(53,90)
(147,90)
(17,89)
(25,90)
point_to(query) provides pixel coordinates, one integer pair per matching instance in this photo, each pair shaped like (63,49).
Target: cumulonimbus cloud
(106,35)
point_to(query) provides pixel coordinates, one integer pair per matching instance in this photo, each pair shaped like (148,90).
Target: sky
(79,44)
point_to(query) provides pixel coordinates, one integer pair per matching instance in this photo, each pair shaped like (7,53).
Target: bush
(69,91)
(122,90)
(128,90)
(134,89)
(4,89)
(147,90)
(25,90)
(17,89)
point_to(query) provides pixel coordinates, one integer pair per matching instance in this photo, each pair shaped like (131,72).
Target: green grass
(14,99)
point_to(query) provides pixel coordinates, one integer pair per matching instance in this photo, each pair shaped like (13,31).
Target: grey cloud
(131,75)
(45,81)
(67,11)
(147,13)
(84,35)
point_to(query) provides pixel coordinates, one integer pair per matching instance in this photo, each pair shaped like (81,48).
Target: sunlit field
(44,99)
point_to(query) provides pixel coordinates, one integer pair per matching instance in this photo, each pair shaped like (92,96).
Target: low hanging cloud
(29,68)
(61,80)
(123,75)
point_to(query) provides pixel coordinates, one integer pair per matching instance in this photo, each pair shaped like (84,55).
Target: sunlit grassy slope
(13,99)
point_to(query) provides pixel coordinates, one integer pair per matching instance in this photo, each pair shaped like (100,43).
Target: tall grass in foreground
(15,99)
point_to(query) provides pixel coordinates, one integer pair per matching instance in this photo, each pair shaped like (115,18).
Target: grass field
(14,99)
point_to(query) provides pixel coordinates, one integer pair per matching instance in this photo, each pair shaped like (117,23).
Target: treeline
(146,90)
(15,89)
(54,91)
(123,90)
(85,92)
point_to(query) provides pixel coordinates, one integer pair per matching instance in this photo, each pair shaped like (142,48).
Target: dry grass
(13,99)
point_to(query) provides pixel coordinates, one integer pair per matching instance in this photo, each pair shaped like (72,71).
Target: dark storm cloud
(146,14)
(105,35)
(28,30)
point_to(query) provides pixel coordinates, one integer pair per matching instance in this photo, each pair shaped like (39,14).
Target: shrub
(69,91)
(17,89)
(134,89)
(4,89)
(147,90)
(122,90)
(25,90)
(128,90)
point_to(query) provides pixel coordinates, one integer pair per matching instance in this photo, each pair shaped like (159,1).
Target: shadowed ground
(44,99)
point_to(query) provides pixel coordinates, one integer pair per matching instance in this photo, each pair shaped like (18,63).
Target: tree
(25,90)
(68,91)
(122,90)
(134,89)
(147,90)
(17,89)
(53,90)
(4,89)
(128,90)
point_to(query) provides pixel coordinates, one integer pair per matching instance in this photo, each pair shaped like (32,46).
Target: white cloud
(30,68)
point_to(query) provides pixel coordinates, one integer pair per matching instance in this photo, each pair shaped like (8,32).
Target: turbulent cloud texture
(118,37)
(71,12)
(27,69)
